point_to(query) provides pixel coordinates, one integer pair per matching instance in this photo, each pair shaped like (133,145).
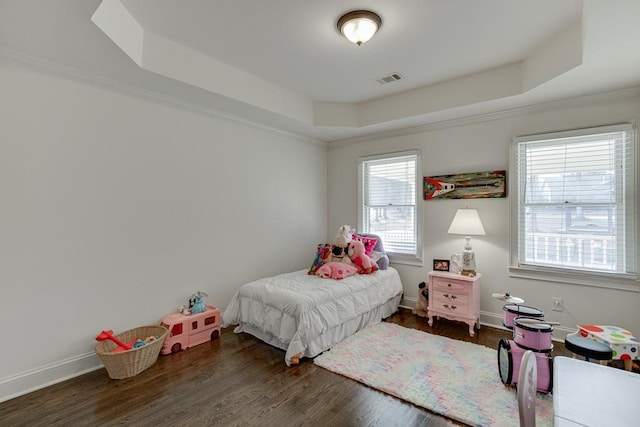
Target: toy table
(623,344)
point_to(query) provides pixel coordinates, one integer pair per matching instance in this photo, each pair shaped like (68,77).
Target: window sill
(621,282)
(405,259)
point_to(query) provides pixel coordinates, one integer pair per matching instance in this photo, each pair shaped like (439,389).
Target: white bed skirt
(332,336)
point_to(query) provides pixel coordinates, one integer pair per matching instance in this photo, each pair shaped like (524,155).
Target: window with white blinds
(389,203)
(574,202)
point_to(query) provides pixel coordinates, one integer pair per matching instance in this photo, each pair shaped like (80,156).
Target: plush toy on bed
(335,270)
(340,248)
(359,258)
(422,305)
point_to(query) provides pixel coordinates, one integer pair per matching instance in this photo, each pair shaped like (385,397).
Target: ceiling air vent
(393,77)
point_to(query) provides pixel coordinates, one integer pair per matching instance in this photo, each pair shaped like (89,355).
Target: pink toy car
(187,330)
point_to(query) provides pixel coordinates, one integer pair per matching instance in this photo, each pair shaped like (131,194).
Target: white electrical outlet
(557,304)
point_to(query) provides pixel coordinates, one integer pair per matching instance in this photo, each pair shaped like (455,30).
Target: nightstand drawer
(450,307)
(451,297)
(450,285)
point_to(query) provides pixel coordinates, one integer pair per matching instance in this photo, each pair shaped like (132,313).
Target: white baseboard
(35,379)
(494,320)
(408,302)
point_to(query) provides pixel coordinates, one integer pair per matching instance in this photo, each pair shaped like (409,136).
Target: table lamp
(467,222)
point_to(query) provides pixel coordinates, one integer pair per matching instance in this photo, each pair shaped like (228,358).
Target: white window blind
(576,200)
(389,203)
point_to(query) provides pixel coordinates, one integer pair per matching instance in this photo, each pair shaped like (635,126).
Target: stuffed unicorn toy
(343,238)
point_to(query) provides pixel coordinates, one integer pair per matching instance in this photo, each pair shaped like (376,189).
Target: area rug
(453,378)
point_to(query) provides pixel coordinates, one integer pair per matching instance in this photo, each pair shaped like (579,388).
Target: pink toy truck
(187,330)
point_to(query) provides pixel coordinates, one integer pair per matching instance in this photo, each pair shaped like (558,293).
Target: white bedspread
(294,309)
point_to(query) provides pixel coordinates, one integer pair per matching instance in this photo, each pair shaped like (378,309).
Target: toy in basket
(138,342)
(122,362)
(188,327)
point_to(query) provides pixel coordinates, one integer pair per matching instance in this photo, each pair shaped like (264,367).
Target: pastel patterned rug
(453,378)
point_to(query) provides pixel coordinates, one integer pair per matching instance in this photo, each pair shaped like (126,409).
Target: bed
(305,315)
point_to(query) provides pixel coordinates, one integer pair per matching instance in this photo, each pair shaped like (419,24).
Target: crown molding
(156,97)
(95,80)
(492,116)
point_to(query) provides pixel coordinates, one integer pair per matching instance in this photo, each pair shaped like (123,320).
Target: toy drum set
(530,332)
(513,311)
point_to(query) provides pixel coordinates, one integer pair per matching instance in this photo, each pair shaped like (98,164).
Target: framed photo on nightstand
(441,264)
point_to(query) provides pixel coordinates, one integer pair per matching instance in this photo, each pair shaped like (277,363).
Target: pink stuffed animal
(363,261)
(335,270)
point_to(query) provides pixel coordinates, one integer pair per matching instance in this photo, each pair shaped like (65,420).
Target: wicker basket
(125,364)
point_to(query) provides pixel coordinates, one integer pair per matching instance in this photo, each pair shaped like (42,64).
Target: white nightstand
(455,297)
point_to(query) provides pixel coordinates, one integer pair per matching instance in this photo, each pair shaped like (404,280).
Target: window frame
(395,257)
(623,281)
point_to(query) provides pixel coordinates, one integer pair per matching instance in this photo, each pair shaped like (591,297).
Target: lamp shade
(359,26)
(467,222)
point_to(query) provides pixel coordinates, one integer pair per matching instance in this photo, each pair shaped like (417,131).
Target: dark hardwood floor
(234,380)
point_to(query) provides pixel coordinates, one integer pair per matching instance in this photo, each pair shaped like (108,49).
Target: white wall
(480,146)
(115,209)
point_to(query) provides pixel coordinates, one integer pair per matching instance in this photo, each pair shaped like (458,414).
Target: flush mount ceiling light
(359,26)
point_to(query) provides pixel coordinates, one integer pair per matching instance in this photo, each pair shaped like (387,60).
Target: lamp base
(468,263)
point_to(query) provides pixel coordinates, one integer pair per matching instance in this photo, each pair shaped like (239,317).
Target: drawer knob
(447,306)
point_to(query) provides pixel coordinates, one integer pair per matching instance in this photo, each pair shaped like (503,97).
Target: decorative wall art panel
(475,185)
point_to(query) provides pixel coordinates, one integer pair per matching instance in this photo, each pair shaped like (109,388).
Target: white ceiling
(283,63)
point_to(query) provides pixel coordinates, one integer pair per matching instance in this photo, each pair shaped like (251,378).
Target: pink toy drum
(532,336)
(509,359)
(511,311)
